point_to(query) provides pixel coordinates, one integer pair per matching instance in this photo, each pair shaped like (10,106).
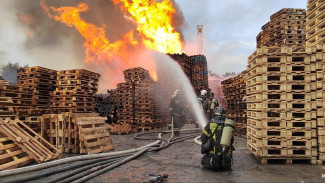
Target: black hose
(178,139)
(97,162)
(76,174)
(85,178)
(43,174)
(59,170)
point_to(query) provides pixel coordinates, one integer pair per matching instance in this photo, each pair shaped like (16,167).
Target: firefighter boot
(176,131)
(169,126)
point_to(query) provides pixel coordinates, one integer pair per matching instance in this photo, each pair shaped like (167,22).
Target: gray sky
(230,29)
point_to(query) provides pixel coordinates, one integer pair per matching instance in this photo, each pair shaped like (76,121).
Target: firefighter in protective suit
(216,155)
(176,108)
(212,105)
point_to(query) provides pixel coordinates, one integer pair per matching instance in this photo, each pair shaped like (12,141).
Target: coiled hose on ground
(97,163)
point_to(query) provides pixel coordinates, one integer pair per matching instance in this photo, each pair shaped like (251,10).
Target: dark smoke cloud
(179,20)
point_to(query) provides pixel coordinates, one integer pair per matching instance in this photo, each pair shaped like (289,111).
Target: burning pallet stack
(75,91)
(281,104)
(315,37)
(286,28)
(235,93)
(135,100)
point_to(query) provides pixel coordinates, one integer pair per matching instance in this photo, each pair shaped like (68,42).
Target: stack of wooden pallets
(75,91)
(41,81)
(19,145)
(281,104)
(195,68)
(135,101)
(315,36)
(122,128)
(314,26)
(185,62)
(199,73)
(6,108)
(286,28)
(3,82)
(235,93)
(21,97)
(84,133)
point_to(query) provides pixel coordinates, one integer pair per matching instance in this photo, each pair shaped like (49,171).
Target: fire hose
(103,161)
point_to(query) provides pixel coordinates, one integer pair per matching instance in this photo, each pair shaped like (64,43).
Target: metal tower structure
(199,39)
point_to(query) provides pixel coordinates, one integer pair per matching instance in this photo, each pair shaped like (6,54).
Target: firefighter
(212,105)
(217,155)
(176,108)
(203,101)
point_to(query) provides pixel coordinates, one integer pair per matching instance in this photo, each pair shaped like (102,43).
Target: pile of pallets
(3,82)
(286,28)
(184,61)
(19,145)
(122,128)
(199,73)
(84,133)
(41,81)
(314,26)
(315,36)
(234,90)
(195,68)
(75,91)
(281,104)
(21,97)
(135,100)
(6,108)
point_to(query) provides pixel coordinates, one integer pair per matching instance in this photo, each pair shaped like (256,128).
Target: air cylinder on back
(227,133)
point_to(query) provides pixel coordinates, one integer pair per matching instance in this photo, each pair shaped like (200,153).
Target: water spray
(172,69)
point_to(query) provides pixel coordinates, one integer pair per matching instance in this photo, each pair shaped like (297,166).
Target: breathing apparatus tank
(227,133)
(213,104)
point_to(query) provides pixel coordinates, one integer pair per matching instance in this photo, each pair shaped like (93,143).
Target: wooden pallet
(11,155)
(122,129)
(34,145)
(94,135)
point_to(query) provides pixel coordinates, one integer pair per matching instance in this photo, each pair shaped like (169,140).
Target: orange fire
(154,26)
(154,23)
(98,47)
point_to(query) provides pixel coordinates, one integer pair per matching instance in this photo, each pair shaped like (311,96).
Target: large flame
(98,47)
(154,26)
(154,23)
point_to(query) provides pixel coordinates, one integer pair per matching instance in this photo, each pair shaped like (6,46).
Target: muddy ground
(181,162)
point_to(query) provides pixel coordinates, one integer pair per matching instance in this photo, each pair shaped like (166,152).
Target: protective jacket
(215,157)
(176,108)
(204,102)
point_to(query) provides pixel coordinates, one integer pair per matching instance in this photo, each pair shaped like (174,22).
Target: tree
(227,74)
(9,72)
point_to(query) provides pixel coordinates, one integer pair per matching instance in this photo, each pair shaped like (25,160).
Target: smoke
(179,20)
(9,74)
(40,40)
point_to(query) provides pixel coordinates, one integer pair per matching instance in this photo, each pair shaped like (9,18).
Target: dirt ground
(181,162)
